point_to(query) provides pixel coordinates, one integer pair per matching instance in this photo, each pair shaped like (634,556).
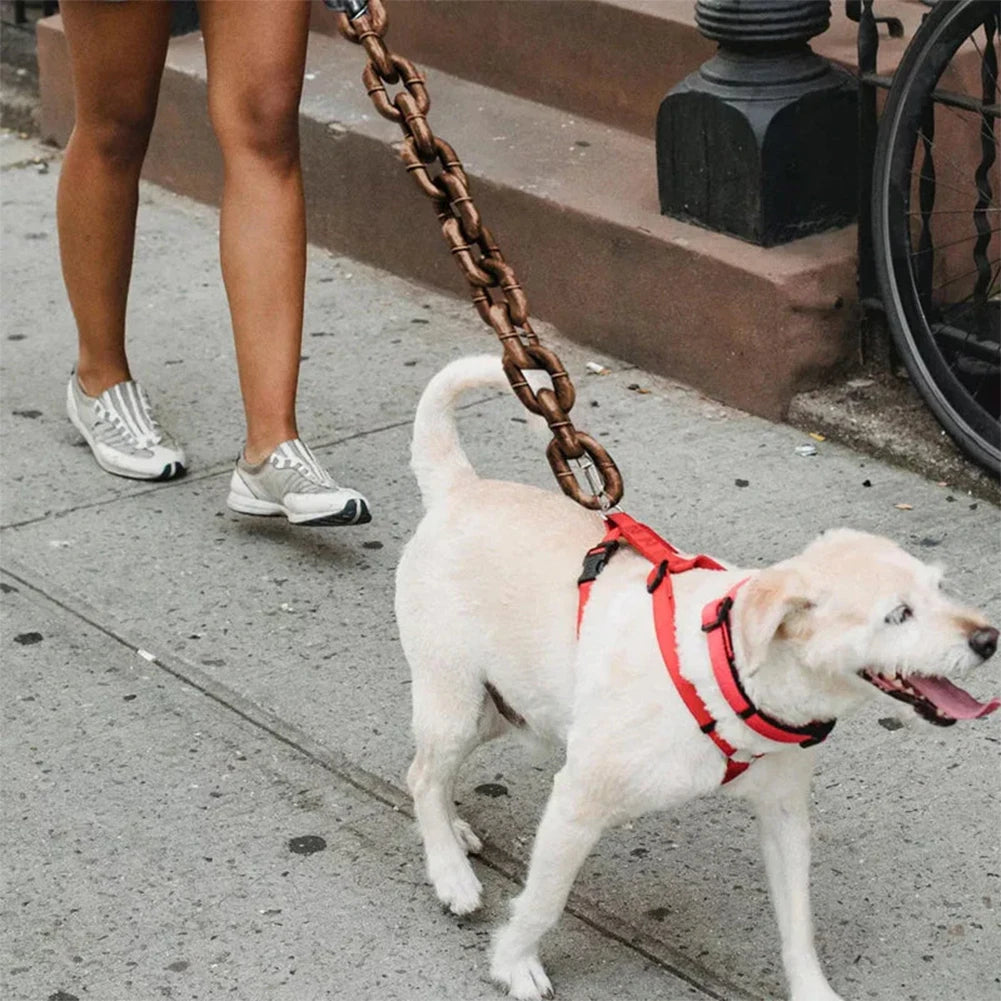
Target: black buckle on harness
(595,560)
(818,733)
(658,577)
(722,615)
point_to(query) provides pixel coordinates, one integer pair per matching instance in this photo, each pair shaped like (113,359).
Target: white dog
(487,603)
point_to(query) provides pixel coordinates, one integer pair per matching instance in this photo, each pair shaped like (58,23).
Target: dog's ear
(774,601)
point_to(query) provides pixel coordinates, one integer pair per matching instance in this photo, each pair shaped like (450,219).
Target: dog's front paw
(457,887)
(525,979)
(465,836)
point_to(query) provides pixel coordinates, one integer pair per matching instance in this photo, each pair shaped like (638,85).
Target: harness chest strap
(663,620)
(715,624)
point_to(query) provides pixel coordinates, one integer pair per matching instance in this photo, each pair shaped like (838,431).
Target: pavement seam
(340,766)
(31,161)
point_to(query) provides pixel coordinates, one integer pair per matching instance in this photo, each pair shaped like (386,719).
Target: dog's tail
(436,456)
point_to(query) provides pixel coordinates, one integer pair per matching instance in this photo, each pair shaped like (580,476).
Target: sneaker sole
(171,471)
(353,513)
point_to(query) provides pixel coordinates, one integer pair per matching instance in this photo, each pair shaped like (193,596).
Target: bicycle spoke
(976,300)
(965,274)
(959,112)
(948,187)
(988,44)
(965,341)
(955,211)
(926,200)
(940,154)
(971,303)
(953,243)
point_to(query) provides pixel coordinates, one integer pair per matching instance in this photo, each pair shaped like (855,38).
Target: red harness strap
(716,626)
(663,620)
(715,623)
(594,563)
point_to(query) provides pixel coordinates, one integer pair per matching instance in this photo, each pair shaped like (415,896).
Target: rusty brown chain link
(496,292)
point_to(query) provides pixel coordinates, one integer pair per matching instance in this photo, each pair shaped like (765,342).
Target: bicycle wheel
(935,221)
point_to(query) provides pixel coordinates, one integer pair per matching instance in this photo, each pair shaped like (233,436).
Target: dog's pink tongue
(952,700)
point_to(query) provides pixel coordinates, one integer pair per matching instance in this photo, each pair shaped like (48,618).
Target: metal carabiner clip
(353,8)
(596,483)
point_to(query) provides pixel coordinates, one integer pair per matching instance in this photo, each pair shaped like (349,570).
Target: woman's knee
(262,122)
(119,137)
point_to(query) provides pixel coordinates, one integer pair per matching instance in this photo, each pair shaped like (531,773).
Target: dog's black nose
(984,641)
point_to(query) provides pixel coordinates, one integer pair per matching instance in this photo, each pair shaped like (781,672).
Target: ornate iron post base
(761,141)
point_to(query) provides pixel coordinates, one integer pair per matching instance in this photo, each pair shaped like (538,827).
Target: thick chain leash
(496,292)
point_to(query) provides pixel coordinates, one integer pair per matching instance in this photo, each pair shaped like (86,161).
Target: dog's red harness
(666,561)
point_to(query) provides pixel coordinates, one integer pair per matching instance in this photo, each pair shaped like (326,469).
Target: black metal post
(868,46)
(760,142)
(184,17)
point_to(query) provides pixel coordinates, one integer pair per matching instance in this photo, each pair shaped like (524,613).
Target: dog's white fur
(486,593)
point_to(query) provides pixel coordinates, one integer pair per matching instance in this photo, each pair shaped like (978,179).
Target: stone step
(611,60)
(573,203)
(18,79)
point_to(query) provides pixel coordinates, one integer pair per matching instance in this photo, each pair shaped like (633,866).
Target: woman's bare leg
(116,87)
(256,53)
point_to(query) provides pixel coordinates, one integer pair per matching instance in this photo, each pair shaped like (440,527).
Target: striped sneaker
(292,482)
(122,432)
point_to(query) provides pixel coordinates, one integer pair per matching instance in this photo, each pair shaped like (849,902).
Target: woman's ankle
(258,448)
(94,381)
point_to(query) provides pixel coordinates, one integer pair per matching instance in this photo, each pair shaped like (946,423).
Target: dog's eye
(900,614)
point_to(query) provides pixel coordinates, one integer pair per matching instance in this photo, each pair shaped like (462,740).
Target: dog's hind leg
(569,829)
(781,802)
(445,736)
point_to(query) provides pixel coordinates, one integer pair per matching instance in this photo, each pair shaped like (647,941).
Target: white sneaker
(292,482)
(122,432)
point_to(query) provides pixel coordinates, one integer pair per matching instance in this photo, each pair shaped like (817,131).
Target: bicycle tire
(945,29)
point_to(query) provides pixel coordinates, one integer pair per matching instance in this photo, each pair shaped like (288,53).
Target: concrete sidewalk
(207,717)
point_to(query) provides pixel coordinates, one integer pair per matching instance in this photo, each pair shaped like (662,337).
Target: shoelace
(148,436)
